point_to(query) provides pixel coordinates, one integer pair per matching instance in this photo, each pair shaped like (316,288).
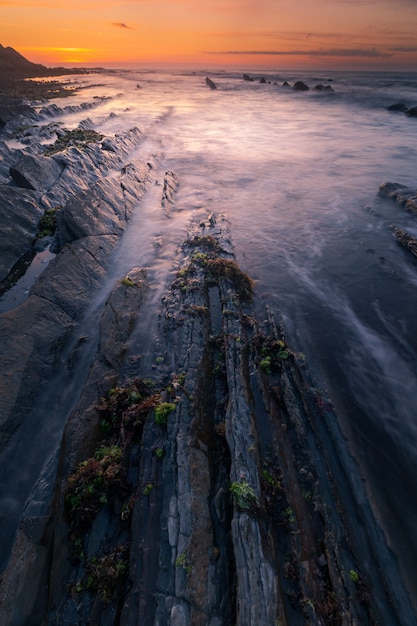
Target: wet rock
(24,590)
(38,173)
(300,86)
(105,207)
(263,81)
(19,216)
(398,106)
(83,167)
(286,84)
(412,112)
(400,193)
(27,359)
(75,273)
(53,110)
(248,78)
(324,88)
(171,183)
(210,83)
(238,476)
(406,240)
(86,124)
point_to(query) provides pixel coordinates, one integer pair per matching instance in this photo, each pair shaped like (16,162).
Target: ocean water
(297,174)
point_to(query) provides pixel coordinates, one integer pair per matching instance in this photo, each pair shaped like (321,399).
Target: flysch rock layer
(406,198)
(212,487)
(241,507)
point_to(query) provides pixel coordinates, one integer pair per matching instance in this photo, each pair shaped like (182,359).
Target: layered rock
(19,215)
(212,488)
(205,484)
(406,198)
(402,194)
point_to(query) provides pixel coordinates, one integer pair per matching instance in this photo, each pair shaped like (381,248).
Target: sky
(285,34)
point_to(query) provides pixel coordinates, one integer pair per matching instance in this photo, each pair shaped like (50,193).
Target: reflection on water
(20,290)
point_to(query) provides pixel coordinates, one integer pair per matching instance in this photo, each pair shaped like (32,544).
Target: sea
(297,173)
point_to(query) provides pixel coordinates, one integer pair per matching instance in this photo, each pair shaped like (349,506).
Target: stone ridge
(219,490)
(191,478)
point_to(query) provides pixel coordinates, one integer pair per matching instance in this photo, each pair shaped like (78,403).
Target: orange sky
(346,34)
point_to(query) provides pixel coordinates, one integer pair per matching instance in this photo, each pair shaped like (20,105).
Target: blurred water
(298,174)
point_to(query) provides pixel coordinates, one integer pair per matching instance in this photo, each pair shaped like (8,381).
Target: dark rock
(13,64)
(391,189)
(83,166)
(104,208)
(398,106)
(210,83)
(19,217)
(412,112)
(263,81)
(325,88)
(38,173)
(286,84)
(300,86)
(198,554)
(400,193)
(86,124)
(247,78)
(170,186)
(406,240)
(75,273)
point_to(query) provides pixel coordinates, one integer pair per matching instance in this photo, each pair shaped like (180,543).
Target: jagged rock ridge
(211,487)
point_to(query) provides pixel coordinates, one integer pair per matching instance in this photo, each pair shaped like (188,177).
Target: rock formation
(210,83)
(192,478)
(398,106)
(300,86)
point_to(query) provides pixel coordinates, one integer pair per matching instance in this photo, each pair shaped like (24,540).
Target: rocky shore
(196,479)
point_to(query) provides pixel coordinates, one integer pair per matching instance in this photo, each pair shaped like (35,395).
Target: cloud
(122,25)
(353,52)
(404,49)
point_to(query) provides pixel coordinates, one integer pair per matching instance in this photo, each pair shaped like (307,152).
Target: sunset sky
(346,34)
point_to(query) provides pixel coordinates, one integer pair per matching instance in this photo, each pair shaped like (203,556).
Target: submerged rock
(411,112)
(398,106)
(210,83)
(324,88)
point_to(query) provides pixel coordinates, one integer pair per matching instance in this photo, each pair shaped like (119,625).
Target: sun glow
(342,34)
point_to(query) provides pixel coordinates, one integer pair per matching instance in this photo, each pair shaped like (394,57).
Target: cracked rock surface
(207,484)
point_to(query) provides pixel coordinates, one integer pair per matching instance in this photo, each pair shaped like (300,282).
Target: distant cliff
(14,65)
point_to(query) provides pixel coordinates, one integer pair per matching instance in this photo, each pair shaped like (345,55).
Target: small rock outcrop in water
(300,86)
(406,198)
(398,106)
(411,112)
(400,193)
(324,88)
(406,240)
(210,83)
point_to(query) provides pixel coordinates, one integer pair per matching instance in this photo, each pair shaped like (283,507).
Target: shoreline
(276,479)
